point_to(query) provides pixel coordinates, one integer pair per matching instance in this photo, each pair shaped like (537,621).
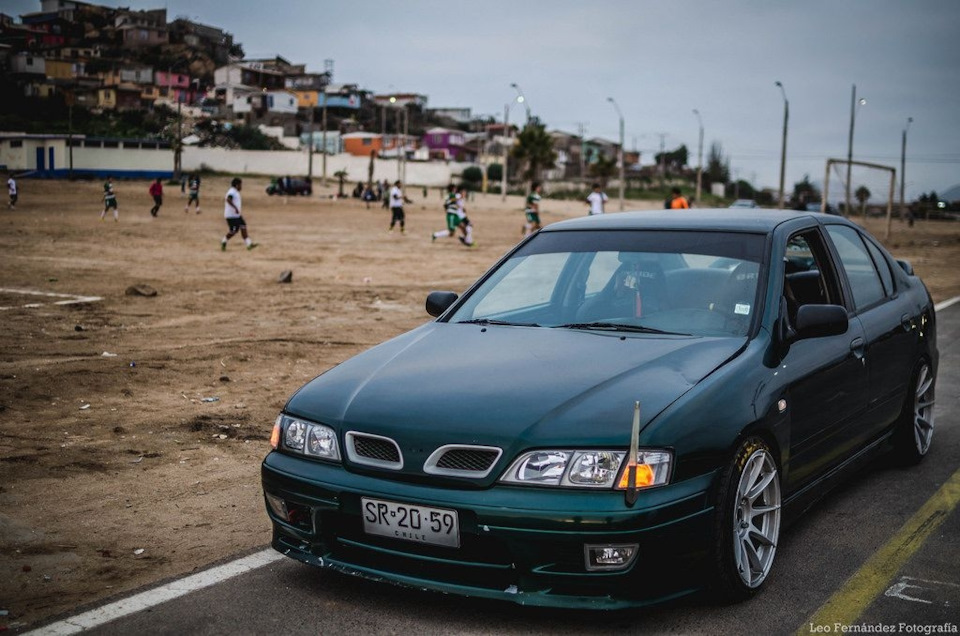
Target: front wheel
(747,521)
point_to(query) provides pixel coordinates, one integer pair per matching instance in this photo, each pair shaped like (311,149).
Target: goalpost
(893,179)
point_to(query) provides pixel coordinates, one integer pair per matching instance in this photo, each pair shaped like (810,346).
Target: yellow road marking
(874,576)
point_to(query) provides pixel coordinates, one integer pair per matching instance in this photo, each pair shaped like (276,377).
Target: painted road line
(874,576)
(162,594)
(946,303)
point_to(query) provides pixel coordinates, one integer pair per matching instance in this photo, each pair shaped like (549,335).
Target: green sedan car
(625,409)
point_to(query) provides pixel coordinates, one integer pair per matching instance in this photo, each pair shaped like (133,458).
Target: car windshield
(696,283)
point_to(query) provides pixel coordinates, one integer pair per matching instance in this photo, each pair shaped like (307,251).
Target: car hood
(509,387)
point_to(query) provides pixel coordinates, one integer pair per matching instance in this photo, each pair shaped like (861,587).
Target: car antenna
(631,495)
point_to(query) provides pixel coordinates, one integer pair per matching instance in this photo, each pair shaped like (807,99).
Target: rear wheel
(915,427)
(747,521)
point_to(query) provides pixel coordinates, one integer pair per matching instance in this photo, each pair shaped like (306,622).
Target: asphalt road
(880,554)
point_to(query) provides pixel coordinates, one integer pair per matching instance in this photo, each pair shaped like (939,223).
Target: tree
(804,192)
(718,166)
(863,195)
(674,160)
(494,172)
(472,177)
(603,168)
(534,150)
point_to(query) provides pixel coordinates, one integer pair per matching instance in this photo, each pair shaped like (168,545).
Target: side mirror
(905,266)
(439,301)
(817,321)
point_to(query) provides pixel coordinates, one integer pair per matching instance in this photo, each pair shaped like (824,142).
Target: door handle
(857,347)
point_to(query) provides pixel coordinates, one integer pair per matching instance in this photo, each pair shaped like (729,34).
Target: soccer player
(532,210)
(109,200)
(12,191)
(194,195)
(397,199)
(156,191)
(450,209)
(596,200)
(232,208)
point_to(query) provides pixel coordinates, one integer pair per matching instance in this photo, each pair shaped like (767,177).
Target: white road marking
(156,596)
(946,303)
(71,299)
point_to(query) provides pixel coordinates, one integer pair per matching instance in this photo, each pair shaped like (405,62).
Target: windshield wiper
(613,326)
(494,321)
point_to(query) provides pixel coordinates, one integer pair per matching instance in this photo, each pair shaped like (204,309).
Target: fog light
(609,557)
(278,506)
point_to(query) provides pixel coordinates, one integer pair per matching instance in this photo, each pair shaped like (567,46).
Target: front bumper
(519,544)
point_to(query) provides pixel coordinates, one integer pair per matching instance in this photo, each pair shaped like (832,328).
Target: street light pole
(323,123)
(506,152)
(521,99)
(783,145)
(620,149)
(853,116)
(903,169)
(699,156)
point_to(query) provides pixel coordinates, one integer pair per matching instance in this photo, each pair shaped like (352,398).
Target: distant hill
(951,195)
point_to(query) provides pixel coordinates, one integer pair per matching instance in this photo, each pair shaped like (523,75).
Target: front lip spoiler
(539,598)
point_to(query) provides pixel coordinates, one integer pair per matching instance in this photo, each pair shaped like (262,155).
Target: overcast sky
(658,60)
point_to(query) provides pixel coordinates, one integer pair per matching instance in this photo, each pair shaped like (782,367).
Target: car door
(888,325)
(826,391)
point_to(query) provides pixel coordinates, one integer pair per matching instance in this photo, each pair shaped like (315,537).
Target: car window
(883,266)
(695,283)
(525,283)
(809,279)
(856,262)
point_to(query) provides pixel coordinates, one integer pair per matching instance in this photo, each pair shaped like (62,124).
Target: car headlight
(588,469)
(306,438)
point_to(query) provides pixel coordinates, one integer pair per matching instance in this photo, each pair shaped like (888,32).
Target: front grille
(467,459)
(373,450)
(457,460)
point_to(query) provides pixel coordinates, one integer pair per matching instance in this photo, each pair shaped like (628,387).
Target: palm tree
(534,150)
(863,195)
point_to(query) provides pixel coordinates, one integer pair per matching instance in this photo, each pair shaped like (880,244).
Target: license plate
(420,524)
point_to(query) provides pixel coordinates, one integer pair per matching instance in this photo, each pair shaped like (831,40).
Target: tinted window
(883,266)
(694,283)
(857,263)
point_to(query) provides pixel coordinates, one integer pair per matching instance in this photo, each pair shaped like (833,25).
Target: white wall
(279,163)
(132,161)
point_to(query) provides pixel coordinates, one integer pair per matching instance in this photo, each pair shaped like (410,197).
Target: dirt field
(132,427)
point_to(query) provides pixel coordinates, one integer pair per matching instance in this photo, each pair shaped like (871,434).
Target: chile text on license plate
(422,524)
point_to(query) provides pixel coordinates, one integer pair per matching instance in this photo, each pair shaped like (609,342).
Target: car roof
(719,219)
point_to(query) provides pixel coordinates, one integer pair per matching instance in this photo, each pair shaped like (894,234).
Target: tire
(746,522)
(914,428)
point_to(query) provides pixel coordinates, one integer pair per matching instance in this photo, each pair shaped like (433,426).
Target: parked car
(744,203)
(290,187)
(626,408)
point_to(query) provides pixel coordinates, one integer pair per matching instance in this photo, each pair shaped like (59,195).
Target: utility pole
(903,170)
(783,145)
(581,131)
(406,131)
(620,149)
(310,144)
(853,117)
(699,157)
(323,124)
(506,151)
(663,164)
(397,148)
